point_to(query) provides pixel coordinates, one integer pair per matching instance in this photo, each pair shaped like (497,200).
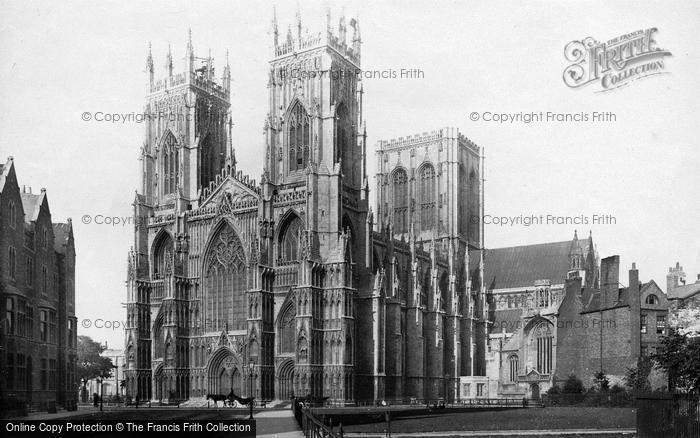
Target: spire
(189,55)
(356,38)
(342,30)
(149,60)
(226,78)
(169,61)
(298,16)
(275,30)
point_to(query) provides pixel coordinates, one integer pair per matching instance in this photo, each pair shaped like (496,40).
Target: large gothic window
(225,282)
(287,329)
(170,164)
(162,255)
(207,162)
(400,197)
(427,197)
(289,239)
(299,138)
(543,337)
(444,293)
(345,146)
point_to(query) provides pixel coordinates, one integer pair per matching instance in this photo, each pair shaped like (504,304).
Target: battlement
(302,41)
(202,77)
(425,137)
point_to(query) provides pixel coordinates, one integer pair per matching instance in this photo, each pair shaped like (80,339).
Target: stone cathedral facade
(292,285)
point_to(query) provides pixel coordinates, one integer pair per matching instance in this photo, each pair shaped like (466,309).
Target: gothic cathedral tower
(315,188)
(187,144)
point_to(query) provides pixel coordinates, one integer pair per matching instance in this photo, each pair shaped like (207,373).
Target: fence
(668,415)
(311,426)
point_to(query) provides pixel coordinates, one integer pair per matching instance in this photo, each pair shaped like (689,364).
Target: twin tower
(291,286)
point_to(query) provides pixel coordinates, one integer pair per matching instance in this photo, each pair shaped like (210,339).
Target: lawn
(509,419)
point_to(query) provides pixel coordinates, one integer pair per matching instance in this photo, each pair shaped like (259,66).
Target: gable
(230,195)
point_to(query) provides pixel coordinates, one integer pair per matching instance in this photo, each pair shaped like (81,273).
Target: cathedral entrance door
(224,374)
(285,381)
(535,391)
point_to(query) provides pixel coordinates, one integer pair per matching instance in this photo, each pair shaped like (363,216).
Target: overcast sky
(62,59)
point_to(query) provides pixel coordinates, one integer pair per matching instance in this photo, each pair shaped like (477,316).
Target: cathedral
(293,285)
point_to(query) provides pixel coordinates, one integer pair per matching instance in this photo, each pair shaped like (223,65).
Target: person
(95,399)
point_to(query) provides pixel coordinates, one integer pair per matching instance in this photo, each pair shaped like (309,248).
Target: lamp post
(251,376)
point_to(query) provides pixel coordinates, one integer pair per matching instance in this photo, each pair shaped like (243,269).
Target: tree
(90,364)
(677,355)
(572,385)
(602,381)
(637,377)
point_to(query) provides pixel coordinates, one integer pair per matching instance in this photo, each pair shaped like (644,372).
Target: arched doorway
(535,391)
(224,373)
(285,380)
(159,384)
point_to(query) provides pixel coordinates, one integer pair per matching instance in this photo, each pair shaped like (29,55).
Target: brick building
(37,284)
(289,286)
(557,310)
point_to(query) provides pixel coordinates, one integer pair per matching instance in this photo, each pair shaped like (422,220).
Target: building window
(400,197)
(43,327)
(645,350)
(660,324)
(53,327)
(479,389)
(21,372)
(45,236)
(427,197)
(10,315)
(543,336)
(12,214)
(643,322)
(44,374)
(299,138)
(289,242)
(30,271)
(513,368)
(52,374)
(652,299)
(170,164)
(71,334)
(542,297)
(12,260)
(10,371)
(44,280)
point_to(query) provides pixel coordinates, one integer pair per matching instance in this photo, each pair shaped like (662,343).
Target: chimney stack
(635,302)
(610,280)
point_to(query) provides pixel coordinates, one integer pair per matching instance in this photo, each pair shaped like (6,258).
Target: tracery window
(287,330)
(513,368)
(170,164)
(299,138)
(400,197)
(289,239)
(225,282)
(207,162)
(344,143)
(162,255)
(542,297)
(543,337)
(427,197)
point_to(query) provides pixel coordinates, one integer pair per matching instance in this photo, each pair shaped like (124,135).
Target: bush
(554,390)
(573,385)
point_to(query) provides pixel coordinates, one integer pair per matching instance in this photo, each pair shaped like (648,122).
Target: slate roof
(61,232)
(520,266)
(685,291)
(32,205)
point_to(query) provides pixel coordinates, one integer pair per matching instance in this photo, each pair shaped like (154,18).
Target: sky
(63,59)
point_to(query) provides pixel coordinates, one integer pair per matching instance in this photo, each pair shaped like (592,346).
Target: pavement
(510,433)
(270,423)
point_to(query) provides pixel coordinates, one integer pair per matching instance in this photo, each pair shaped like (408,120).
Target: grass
(509,419)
